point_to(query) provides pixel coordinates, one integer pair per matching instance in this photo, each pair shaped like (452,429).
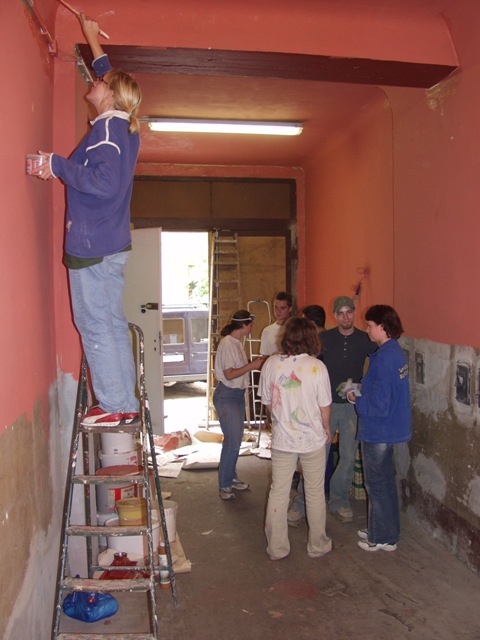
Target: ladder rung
(90,428)
(109,636)
(109,479)
(98,586)
(91,530)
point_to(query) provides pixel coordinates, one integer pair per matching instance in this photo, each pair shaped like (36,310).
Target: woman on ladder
(231,372)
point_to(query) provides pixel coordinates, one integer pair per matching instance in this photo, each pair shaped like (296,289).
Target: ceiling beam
(293,66)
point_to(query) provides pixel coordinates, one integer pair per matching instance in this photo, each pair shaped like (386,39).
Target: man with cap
(344,350)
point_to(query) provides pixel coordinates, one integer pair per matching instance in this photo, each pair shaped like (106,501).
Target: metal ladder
(253,350)
(225,296)
(142,429)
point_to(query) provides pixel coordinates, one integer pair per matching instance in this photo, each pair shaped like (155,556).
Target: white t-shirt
(296,387)
(268,343)
(230,355)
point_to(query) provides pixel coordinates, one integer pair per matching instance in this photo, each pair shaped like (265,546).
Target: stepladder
(142,575)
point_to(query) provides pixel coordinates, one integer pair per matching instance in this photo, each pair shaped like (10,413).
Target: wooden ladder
(225,296)
(147,572)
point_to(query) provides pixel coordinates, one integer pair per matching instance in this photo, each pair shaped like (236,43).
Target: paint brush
(77,13)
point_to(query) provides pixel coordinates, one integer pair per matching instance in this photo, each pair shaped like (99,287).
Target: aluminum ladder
(143,430)
(253,350)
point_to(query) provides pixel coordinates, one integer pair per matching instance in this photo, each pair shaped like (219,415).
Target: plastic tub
(122,458)
(132,511)
(134,544)
(117,442)
(109,494)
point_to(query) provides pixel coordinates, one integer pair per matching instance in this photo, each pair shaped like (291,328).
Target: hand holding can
(38,166)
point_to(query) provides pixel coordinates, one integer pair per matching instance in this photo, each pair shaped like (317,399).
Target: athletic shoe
(131,418)
(98,417)
(294,517)
(344,514)
(372,546)
(363,534)
(226,494)
(238,485)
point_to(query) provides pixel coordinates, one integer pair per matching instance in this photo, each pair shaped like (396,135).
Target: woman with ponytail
(231,372)
(99,181)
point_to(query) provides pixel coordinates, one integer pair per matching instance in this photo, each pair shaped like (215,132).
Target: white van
(185,343)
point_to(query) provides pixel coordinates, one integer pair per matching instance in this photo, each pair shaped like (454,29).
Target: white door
(143,307)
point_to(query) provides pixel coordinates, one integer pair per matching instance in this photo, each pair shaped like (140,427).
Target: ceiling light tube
(224,126)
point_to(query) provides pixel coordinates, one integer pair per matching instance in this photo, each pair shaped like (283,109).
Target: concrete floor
(234,591)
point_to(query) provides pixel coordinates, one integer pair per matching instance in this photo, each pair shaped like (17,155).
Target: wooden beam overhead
(181,61)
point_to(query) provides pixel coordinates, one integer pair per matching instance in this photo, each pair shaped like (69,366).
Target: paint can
(33,161)
(117,442)
(134,544)
(122,458)
(170,509)
(109,493)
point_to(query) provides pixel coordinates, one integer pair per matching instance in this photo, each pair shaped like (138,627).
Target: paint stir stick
(77,13)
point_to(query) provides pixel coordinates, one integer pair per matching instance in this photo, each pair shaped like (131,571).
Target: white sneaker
(294,516)
(344,514)
(226,494)
(372,546)
(238,485)
(362,534)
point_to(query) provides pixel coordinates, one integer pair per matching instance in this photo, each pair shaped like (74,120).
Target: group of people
(317,383)
(312,381)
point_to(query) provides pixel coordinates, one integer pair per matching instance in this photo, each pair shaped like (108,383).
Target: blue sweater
(99,180)
(384,406)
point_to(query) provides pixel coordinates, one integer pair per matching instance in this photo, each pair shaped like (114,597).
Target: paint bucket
(109,493)
(134,544)
(122,458)
(33,161)
(131,511)
(170,509)
(117,442)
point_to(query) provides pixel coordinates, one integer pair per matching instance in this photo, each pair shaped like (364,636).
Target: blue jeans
(343,420)
(97,302)
(230,407)
(284,464)
(383,510)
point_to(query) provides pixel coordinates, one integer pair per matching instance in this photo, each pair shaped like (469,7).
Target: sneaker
(372,546)
(238,485)
(294,516)
(344,514)
(362,534)
(226,494)
(98,417)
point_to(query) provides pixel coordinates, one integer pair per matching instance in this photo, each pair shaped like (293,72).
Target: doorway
(185,300)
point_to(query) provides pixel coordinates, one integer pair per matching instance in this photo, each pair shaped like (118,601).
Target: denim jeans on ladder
(97,302)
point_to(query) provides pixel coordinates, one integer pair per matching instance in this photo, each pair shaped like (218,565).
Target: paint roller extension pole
(77,13)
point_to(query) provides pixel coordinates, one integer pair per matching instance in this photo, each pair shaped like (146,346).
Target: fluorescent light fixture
(224,126)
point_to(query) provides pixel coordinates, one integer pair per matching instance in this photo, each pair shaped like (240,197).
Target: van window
(199,329)
(174,330)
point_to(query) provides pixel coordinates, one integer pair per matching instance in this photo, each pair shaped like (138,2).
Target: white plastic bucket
(170,509)
(108,494)
(117,442)
(115,459)
(133,544)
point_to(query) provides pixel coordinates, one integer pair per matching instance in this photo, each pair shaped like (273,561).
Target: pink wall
(437,195)
(349,212)
(26,285)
